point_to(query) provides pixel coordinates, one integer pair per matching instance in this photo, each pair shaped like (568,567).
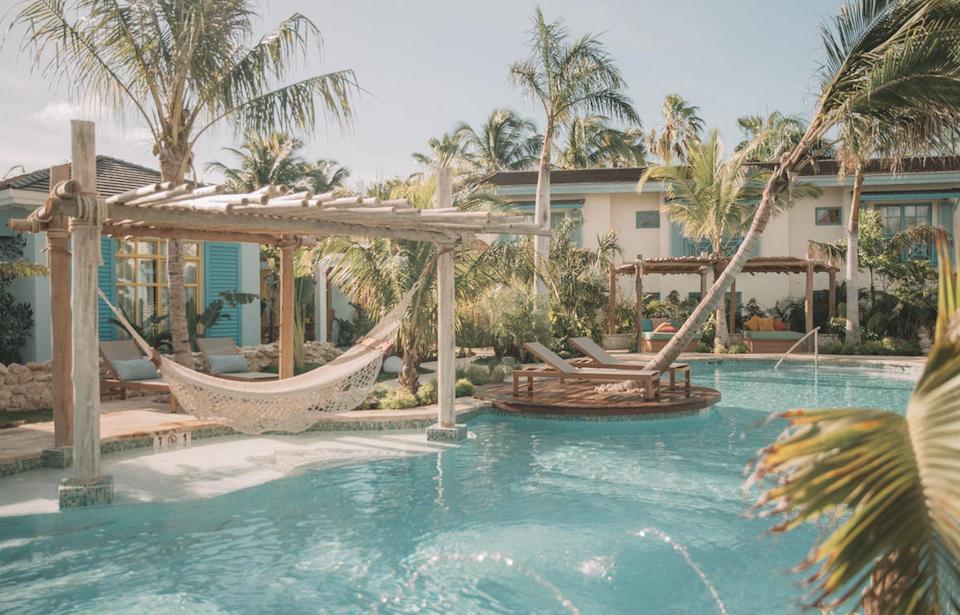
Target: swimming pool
(532,516)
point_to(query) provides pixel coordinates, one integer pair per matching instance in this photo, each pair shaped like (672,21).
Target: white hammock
(290,405)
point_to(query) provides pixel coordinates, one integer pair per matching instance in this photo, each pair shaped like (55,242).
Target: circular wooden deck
(582,400)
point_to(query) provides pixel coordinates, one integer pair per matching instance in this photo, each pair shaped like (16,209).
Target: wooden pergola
(273,215)
(703,265)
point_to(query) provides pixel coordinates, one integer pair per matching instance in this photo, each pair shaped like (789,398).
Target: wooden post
(832,294)
(86,358)
(287,309)
(703,283)
(732,309)
(808,300)
(612,299)
(58,258)
(446,325)
(638,289)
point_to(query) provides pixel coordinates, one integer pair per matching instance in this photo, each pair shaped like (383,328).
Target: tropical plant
(504,142)
(591,143)
(182,68)
(323,176)
(154,329)
(566,78)
(198,325)
(885,61)
(771,136)
(681,124)
(17,320)
(271,159)
(448,151)
(883,485)
(713,197)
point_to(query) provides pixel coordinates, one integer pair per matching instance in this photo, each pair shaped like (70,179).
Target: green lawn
(9,418)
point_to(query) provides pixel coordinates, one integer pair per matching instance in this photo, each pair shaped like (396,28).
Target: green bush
(704,347)
(833,348)
(427,393)
(516,318)
(399,399)
(499,373)
(888,346)
(372,401)
(478,374)
(737,349)
(464,388)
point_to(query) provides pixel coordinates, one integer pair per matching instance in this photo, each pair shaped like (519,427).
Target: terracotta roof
(113,177)
(819,168)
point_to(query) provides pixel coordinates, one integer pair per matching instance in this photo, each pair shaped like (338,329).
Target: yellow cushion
(753,324)
(766,324)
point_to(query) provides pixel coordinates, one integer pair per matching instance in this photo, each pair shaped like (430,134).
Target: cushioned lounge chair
(132,371)
(598,357)
(225,360)
(557,368)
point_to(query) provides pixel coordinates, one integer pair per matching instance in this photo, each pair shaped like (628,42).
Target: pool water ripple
(529,516)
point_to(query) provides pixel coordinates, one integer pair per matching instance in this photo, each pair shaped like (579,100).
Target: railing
(816,348)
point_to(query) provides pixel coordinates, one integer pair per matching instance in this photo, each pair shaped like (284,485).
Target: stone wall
(30,387)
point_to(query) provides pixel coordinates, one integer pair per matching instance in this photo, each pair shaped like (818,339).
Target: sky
(427,64)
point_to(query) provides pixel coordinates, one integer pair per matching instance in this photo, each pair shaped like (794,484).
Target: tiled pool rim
(62,457)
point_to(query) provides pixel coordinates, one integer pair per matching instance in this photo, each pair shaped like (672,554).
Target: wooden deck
(582,399)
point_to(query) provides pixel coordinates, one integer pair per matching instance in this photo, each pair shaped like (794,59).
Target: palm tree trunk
(172,170)
(778,182)
(541,214)
(721,338)
(409,378)
(852,336)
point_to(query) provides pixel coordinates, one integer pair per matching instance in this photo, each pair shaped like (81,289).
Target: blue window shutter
(107,281)
(221,272)
(677,241)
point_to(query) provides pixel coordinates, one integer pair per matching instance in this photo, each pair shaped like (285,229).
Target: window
(897,218)
(142,276)
(648,219)
(828,216)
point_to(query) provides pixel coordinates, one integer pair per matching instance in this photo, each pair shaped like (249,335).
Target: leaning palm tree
(565,78)
(504,142)
(270,159)
(681,124)
(324,176)
(885,59)
(592,143)
(713,197)
(779,133)
(883,485)
(182,68)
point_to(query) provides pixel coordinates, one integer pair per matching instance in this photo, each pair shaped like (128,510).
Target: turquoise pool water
(530,516)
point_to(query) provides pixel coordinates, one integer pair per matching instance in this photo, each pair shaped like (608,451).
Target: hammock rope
(289,405)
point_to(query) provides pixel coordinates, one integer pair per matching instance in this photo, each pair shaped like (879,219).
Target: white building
(601,199)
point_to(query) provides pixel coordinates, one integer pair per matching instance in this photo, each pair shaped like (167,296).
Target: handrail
(816,348)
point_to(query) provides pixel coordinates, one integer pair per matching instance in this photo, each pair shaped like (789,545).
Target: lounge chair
(225,360)
(652,340)
(562,370)
(598,357)
(132,370)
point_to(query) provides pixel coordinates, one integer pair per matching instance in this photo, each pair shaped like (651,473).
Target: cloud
(57,111)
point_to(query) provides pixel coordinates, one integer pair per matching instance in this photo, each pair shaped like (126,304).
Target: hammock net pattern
(289,405)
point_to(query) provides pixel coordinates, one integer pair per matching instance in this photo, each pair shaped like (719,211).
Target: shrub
(17,320)
(478,374)
(704,347)
(833,348)
(499,373)
(737,349)
(427,393)
(516,318)
(372,401)
(464,388)
(399,399)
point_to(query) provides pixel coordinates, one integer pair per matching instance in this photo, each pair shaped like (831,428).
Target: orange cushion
(753,324)
(766,324)
(779,325)
(665,327)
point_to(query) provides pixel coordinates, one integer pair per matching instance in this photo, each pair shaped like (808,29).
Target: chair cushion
(753,324)
(773,335)
(766,324)
(665,327)
(227,363)
(135,369)
(646,324)
(779,325)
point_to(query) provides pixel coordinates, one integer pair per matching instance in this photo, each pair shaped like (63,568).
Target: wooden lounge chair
(127,350)
(562,370)
(598,357)
(225,346)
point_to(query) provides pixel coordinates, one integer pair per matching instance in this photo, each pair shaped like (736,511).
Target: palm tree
(447,151)
(271,159)
(591,143)
(182,68)
(324,176)
(504,142)
(713,197)
(886,483)
(565,78)
(778,133)
(885,59)
(681,124)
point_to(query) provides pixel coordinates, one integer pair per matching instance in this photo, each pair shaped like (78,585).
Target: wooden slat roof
(694,264)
